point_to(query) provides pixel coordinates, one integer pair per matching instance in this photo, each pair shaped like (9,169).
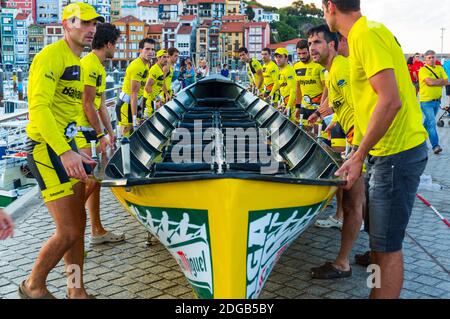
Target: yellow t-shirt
(311,77)
(93,75)
(136,71)
(271,75)
(373,48)
(429,93)
(288,85)
(340,93)
(55,92)
(157,75)
(252,70)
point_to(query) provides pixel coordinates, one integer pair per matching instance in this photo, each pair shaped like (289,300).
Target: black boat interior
(217,129)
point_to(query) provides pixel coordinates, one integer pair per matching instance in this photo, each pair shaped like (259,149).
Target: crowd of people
(351,87)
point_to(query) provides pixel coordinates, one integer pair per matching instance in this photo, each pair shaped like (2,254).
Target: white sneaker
(330,222)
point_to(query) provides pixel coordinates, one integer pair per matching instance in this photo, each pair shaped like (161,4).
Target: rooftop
(283,44)
(232,27)
(186,29)
(129,19)
(148,4)
(155,28)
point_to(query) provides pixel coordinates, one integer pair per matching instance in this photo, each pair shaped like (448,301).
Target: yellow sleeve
(135,73)
(374,54)
(44,76)
(292,83)
(423,74)
(89,74)
(322,73)
(275,74)
(335,118)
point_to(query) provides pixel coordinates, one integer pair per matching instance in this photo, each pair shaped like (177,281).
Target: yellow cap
(282,51)
(82,11)
(160,53)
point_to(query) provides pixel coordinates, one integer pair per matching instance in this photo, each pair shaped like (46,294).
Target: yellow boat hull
(226,234)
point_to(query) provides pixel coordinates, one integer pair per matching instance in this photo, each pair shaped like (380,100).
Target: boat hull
(226,234)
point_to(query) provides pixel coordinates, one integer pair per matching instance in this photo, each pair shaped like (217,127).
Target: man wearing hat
(155,82)
(55,99)
(288,85)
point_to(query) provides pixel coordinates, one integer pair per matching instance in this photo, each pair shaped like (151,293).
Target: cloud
(416,24)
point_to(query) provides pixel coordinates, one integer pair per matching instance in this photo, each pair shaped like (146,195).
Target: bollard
(20,83)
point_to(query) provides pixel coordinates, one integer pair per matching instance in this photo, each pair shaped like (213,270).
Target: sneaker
(437,149)
(330,222)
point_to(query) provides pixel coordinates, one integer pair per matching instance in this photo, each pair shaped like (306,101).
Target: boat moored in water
(225,182)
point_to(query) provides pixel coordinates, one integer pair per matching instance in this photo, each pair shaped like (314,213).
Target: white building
(21,23)
(148,11)
(185,40)
(264,16)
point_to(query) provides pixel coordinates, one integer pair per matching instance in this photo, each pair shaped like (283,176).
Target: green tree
(250,13)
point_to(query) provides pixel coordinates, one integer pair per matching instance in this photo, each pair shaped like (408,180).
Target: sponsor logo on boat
(270,233)
(185,234)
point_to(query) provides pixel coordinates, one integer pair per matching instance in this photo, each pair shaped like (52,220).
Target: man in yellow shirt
(323,46)
(155,83)
(133,87)
(172,60)
(388,126)
(432,78)
(310,77)
(254,70)
(288,87)
(55,90)
(271,75)
(93,117)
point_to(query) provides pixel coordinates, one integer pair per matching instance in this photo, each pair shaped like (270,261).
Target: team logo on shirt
(341,83)
(50,76)
(71,130)
(73,93)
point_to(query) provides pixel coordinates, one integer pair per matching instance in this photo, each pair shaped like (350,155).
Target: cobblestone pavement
(133,270)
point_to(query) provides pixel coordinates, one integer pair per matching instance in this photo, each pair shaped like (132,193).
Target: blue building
(7,37)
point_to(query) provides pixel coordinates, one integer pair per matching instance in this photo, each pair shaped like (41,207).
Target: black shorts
(447,90)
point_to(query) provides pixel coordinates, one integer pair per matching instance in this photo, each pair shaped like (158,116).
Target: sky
(416,23)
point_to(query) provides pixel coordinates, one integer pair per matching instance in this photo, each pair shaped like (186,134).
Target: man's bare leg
(391,266)
(339,209)
(352,202)
(67,215)
(93,204)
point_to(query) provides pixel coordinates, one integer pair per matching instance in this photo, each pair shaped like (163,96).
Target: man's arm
(275,74)
(386,109)
(436,82)
(149,85)
(260,83)
(106,120)
(135,86)
(89,108)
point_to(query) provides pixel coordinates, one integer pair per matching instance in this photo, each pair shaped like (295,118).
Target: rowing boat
(225,182)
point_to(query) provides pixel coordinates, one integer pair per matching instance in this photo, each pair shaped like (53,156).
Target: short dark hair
(105,33)
(172,51)
(225,65)
(144,41)
(346,6)
(327,34)
(243,49)
(267,50)
(302,44)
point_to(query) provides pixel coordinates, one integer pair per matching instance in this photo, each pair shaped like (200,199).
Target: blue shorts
(393,185)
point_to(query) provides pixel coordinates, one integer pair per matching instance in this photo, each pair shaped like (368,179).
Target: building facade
(170,29)
(25,6)
(233,7)
(184,41)
(35,40)
(116,10)
(53,32)
(7,37)
(132,31)
(148,11)
(231,39)
(49,11)
(21,23)
(170,10)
